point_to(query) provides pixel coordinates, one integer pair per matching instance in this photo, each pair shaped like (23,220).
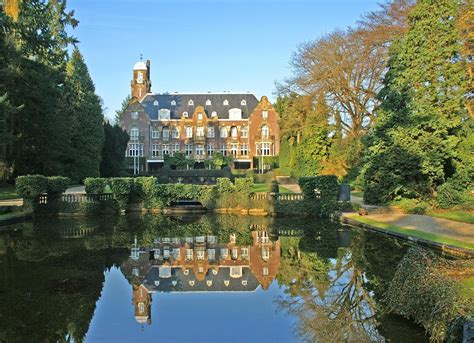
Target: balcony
(200,138)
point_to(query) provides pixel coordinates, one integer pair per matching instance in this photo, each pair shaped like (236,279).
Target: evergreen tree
(85,120)
(123,108)
(416,144)
(113,150)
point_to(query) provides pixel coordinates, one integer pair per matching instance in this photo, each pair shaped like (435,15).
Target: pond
(208,278)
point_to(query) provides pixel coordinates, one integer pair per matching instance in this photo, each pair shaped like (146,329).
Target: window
(189,254)
(175,148)
(265,131)
(211,254)
(214,114)
(210,149)
(199,150)
(265,271)
(141,307)
(199,116)
(200,131)
(155,134)
(166,133)
(244,132)
(265,253)
(134,133)
(234,150)
(264,114)
(140,77)
(200,254)
(211,132)
(185,114)
(235,272)
(243,103)
(244,149)
(265,149)
(175,132)
(189,132)
(209,283)
(235,114)
(155,150)
(223,132)
(190,103)
(155,103)
(164,114)
(233,132)
(135,150)
(173,102)
(135,115)
(208,102)
(235,253)
(226,102)
(189,149)
(224,252)
(224,149)
(244,252)
(166,149)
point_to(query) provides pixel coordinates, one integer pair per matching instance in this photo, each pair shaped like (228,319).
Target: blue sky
(202,45)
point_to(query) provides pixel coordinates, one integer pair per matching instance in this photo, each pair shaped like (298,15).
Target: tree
(123,108)
(219,160)
(416,145)
(113,150)
(85,117)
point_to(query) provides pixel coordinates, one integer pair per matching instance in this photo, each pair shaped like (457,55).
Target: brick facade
(236,124)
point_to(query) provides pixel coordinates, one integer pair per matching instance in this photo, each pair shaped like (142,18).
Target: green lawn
(413,233)
(467,287)
(8,193)
(263,187)
(456,215)
(13,215)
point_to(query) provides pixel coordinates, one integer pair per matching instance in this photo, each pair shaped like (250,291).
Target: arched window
(155,103)
(223,132)
(243,102)
(185,114)
(233,132)
(265,131)
(173,102)
(190,103)
(226,102)
(175,132)
(208,102)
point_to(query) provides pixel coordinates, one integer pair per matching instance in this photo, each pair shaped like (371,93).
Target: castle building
(198,125)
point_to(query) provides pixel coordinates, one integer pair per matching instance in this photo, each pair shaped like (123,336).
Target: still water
(201,279)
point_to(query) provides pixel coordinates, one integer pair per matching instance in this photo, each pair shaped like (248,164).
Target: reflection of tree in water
(327,293)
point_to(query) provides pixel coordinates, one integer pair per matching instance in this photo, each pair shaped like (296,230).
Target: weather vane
(141,56)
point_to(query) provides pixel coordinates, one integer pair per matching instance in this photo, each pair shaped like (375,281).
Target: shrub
(452,193)
(31,186)
(412,206)
(243,189)
(145,188)
(95,185)
(274,187)
(58,184)
(322,190)
(122,189)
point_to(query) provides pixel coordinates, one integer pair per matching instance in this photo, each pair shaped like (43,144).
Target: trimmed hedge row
(320,194)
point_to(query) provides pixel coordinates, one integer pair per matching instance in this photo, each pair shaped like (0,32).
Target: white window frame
(134,115)
(199,150)
(211,132)
(265,131)
(155,150)
(189,132)
(244,132)
(210,149)
(134,133)
(190,103)
(244,149)
(155,134)
(200,131)
(165,148)
(199,116)
(234,149)
(223,132)
(223,149)
(175,148)
(166,133)
(175,132)
(208,102)
(264,114)
(189,149)
(234,132)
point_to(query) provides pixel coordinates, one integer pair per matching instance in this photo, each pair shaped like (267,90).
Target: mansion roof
(179,103)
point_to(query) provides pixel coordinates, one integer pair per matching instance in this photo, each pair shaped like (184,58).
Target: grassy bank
(263,187)
(413,233)
(7,193)
(456,215)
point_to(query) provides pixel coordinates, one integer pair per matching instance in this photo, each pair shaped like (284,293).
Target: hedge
(322,190)
(95,185)
(31,186)
(57,184)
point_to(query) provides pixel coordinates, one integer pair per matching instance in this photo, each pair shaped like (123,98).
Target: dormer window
(173,103)
(164,114)
(185,114)
(226,102)
(190,103)
(235,114)
(214,114)
(208,102)
(155,103)
(199,116)
(243,103)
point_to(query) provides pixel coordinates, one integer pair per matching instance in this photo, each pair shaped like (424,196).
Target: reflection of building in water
(200,264)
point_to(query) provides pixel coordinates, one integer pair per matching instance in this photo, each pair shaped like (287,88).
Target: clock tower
(141,84)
